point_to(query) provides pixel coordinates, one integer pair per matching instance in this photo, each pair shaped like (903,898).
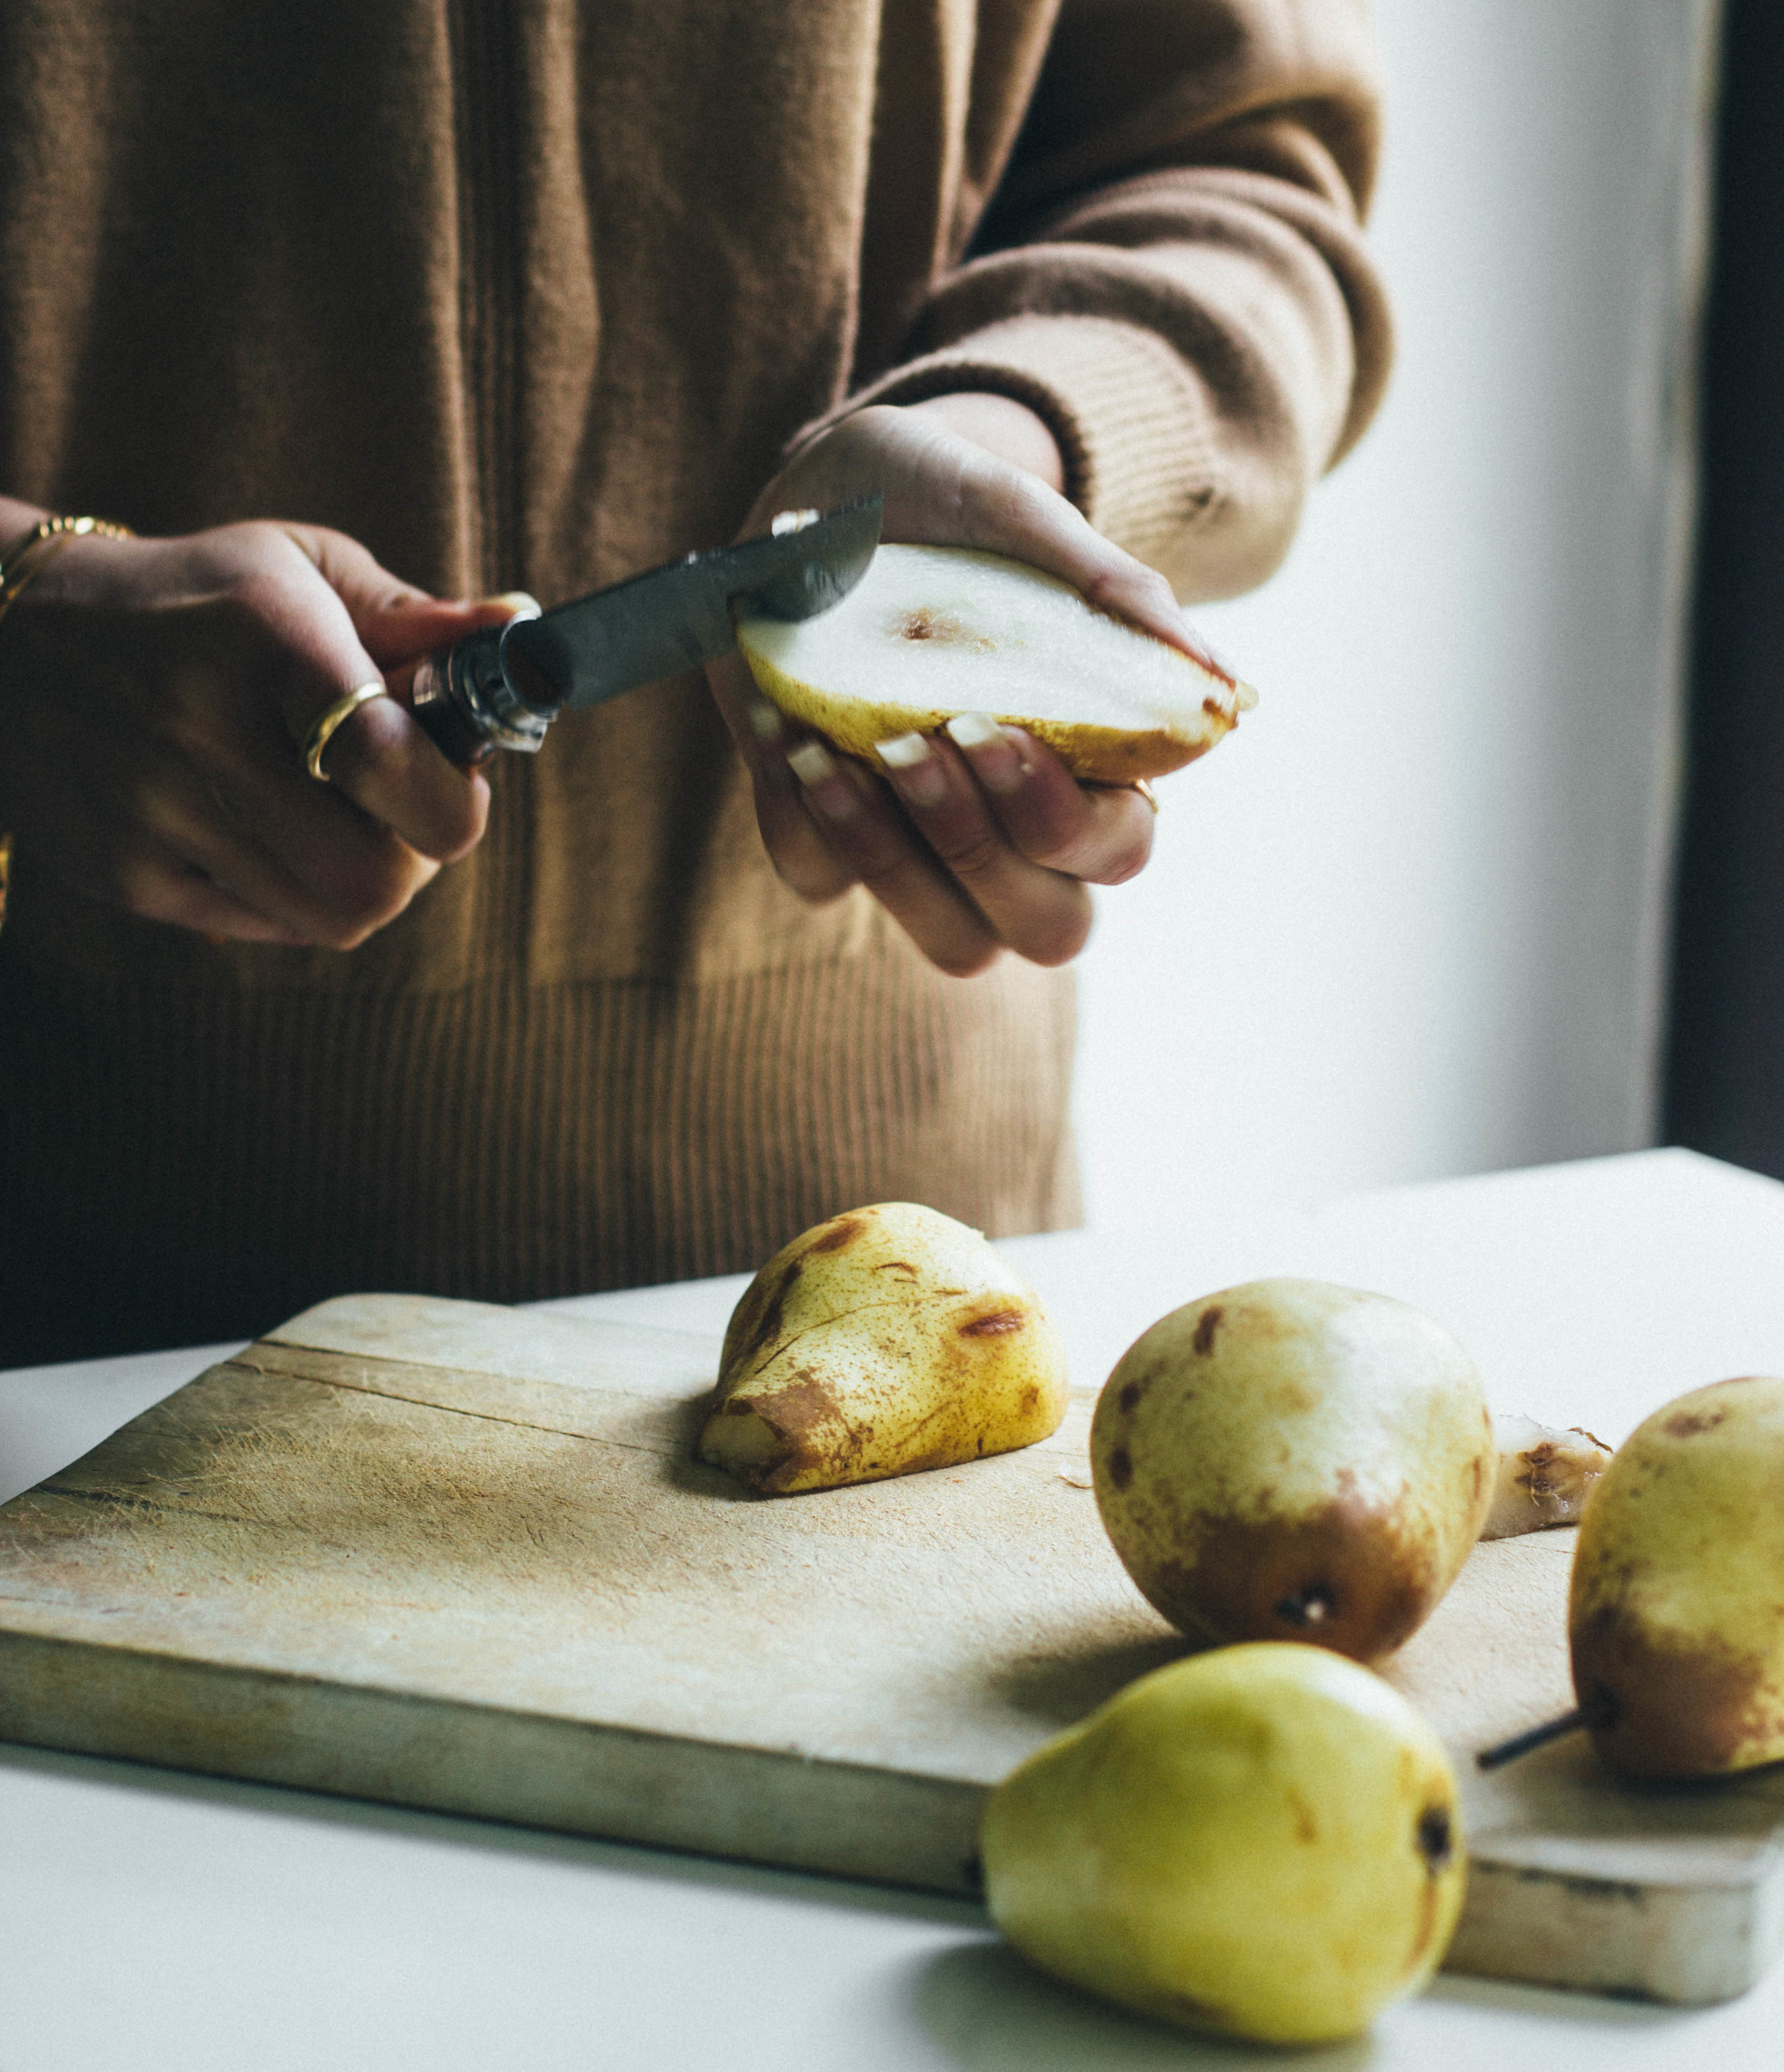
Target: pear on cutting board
(1292,1460)
(885,1341)
(1544,1475)
(929,633)
(1676,1615)
(1263,1842)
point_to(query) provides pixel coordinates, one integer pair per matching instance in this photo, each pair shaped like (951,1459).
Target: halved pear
(885,1341)
(932,632)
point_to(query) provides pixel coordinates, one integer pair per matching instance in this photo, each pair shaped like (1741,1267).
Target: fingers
(380,759)
(1042,914)
(804,859)
(1102,834)
(115,859)
(161,885)
(863,824)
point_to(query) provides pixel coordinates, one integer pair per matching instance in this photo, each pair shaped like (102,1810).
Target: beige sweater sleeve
(1171,273)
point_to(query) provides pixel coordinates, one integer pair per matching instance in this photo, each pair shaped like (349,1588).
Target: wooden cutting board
(458,1557)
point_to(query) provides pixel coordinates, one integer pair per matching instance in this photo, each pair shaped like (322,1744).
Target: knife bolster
(465,701)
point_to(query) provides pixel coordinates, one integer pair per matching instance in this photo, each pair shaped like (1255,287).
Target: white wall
(1408,921)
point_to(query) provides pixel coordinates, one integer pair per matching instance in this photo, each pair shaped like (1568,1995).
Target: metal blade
(679,615)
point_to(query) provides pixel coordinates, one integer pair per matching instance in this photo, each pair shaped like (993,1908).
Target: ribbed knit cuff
(1129,417)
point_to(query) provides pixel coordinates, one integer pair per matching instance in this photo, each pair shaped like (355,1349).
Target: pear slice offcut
(932,632)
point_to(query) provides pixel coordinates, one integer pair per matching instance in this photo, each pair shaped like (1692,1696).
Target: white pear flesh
(1676,1615)
(1291,1460)
(1543,1477)
(885,1341)
(1264,1842)
(930,633)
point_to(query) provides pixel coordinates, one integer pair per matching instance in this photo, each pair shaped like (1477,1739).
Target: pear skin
(1263,1842)
(1676,1615)
(932,632)
(1291,1460)
(885,1341)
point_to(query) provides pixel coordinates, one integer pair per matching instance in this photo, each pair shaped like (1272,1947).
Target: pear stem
(1536,1737)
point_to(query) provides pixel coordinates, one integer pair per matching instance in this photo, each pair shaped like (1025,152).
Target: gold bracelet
(30,556)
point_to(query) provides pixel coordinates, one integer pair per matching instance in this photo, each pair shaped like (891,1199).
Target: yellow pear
(932,632)
(885,1341)
(1290,1460)
(1677,1613)
(1264,1842)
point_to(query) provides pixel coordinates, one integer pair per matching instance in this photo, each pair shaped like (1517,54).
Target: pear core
(1264,1842)
(929,633)
(1288,1460)
(1676,1615)
(887,1340)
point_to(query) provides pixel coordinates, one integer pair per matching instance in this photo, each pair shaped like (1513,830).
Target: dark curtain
(1724,1091)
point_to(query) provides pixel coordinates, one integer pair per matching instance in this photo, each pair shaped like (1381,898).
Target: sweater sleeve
(1171,273)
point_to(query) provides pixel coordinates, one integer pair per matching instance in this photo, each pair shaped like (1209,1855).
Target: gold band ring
(1146,792)
(323,731)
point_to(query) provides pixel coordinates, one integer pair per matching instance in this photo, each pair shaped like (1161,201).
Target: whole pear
(1676,1619)
(1264,1842)
(887,1340)
(1291,1460)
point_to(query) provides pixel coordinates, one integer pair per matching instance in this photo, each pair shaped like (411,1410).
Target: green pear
(885,1341)
(1676,1619)
(1289,1460)
(930,633)
(1264,1842)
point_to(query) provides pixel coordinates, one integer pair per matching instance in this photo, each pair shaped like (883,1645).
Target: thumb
(396,621)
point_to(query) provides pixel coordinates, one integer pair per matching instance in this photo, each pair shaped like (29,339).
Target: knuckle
(963,960)
(976,857)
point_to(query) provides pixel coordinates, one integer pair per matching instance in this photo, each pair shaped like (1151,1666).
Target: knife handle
(463,702)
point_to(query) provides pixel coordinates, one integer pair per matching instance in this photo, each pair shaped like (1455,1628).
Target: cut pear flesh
(929,633)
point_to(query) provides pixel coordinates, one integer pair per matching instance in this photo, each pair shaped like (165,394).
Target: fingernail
(830,791)
(993,755)
(766,722)
(517,603)
(975,730)
(916,766)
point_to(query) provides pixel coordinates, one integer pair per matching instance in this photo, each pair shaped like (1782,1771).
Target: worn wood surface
(459,1557)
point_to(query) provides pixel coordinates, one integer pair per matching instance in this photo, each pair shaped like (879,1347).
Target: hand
(154,697)
(982,841)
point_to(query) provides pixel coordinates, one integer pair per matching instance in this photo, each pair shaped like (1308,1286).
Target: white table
(167,1923)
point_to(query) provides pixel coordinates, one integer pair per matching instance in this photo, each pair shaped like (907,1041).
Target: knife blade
(502,687)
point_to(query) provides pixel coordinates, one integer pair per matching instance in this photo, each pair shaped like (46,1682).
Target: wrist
(1002,426)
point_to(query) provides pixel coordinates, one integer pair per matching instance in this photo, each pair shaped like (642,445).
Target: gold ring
(323,731)
(1147,793)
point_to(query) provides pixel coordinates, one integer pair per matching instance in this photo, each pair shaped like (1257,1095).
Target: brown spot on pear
(882,1342)
(1314,1465)
(1675,1615)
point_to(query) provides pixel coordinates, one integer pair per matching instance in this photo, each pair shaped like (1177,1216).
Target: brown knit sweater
(534,294)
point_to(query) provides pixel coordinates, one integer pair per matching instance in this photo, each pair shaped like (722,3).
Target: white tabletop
(167,1923)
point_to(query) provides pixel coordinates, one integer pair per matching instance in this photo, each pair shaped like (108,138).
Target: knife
(502,687)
